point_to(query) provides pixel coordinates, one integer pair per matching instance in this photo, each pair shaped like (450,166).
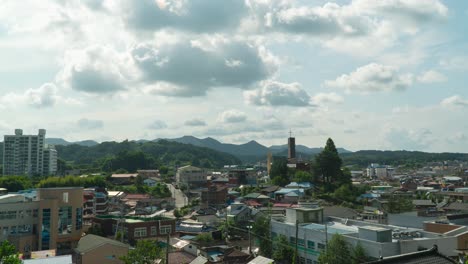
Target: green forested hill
(401,157)
(132,155)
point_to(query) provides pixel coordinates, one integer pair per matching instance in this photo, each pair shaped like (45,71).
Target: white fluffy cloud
(191,68)
(431,76)
(326,98)
(372,78)
(94,70)
(42,97)
(455,101)
(193,16)
(278,94)
(232,116)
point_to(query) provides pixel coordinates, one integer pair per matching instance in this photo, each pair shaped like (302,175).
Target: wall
(439,228)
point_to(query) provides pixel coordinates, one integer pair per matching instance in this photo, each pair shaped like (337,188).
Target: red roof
(283,205)
(252,203)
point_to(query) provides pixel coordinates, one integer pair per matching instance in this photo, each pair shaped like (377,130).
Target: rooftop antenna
(290,133)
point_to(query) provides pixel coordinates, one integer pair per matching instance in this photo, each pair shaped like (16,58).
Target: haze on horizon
(387,74)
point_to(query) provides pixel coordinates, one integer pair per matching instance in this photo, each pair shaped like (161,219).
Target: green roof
(90,242)
(252,195)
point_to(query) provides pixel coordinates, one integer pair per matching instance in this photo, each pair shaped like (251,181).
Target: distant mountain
(63,142)
(249,151)
(251,148)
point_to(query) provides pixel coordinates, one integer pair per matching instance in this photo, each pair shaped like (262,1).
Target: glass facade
(79,218)
(64,220)
(45,229)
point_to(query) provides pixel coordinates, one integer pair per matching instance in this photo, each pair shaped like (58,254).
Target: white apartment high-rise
(27,155)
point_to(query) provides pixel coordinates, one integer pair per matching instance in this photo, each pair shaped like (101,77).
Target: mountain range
(246,151)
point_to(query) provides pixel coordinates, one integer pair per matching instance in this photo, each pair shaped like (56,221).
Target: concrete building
(53,220)
(378,240)
(94,249)
(95,201)
(214,196)
(191,176)
(379,171)
(28,155)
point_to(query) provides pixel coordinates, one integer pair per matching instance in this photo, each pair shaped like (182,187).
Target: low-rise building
(214,196)
(92,249)
(191,176)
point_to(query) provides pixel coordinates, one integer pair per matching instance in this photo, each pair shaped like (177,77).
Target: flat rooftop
(333,228)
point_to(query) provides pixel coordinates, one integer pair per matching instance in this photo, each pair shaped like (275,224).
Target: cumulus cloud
(329,20)
(193,16)
(406,10)
(455,101)
(232,116)
(196,122)
(192,68)
(431,76)
(372,78)
(327,98)
(278,94)
(94,70)
(42,97)
(158,124)
(86,123)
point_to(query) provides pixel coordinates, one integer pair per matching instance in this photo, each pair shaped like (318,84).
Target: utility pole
(250,240)
(326,235)
(297,234)
(167,248)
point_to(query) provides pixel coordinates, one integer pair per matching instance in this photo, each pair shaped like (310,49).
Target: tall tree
(337,252)
(8,253)
(145,252)
(359,254)
(261,229)
(328,165)
(283,251)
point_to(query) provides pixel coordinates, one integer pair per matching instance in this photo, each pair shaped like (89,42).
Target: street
(180,199)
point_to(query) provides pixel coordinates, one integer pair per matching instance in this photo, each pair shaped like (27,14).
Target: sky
(387,74)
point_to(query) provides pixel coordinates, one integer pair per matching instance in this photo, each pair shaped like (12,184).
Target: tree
(8,253)
(359,254)
(261,229)
(279,172)
(328,165)
(337,251)
(303,176)
(283,251)
(145,252)
(204,238)
(15,183)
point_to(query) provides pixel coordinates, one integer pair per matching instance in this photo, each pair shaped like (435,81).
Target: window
(154,231)
(300,242)
(64,220)
(45,229)
(308,261)
(79,218)
(35,212)
(273,235)
(140,232)
(292,240)
(320,246)
(310,244)
(65,197)
(302,260)
(164,230)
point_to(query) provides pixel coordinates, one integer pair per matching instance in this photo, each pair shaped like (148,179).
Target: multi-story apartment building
(28,155)
(95,201)
(191,176)
(52,220)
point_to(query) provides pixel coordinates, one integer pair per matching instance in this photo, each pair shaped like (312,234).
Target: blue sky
(388,74)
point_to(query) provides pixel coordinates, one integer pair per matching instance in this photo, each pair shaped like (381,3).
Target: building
(94,249)
(214,196)
(379,171)
(95,201)
(53,220)
(28,155)
(136,227)
(191,176)
(378,240)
